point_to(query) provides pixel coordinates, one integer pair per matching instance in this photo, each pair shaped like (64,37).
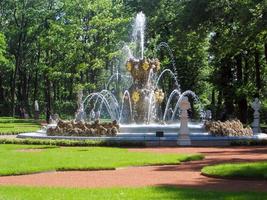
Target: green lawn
(16,159)
(155,193)
(241,170)
(12,126)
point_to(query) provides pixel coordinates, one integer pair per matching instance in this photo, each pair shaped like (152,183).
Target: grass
(155,193)
(255,170)
(13,126)
(14,160)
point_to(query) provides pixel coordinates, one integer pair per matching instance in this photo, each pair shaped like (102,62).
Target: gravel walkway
(185,175)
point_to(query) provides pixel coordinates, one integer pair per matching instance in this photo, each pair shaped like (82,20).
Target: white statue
(36,105)
(256,105)
(36,110)
(92,115)
(208,115)
(97,114)
(183,138)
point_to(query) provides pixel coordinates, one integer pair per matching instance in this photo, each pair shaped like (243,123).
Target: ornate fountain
(140,104)
(141,101)
(136,108)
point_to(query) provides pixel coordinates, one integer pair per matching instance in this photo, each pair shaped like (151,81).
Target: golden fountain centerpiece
(145,95)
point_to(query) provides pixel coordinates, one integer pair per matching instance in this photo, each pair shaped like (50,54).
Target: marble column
(183,137)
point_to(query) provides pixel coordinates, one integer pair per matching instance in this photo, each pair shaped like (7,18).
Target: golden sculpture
(142,88)
(157,64)
(129,66)
(145,65)
(135,96)
(159,95)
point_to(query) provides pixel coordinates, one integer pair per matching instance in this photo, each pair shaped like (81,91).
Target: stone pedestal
(183,137)
(256,105)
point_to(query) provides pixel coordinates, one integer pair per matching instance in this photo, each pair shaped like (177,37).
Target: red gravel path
(184,175)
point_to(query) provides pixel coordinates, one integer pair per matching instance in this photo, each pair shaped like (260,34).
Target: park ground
(133,173)
(61,170)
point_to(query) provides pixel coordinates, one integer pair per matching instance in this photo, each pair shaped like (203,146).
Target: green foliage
(30,159)
(51,49)
(3,46)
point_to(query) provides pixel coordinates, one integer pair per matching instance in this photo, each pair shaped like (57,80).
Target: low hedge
(60,142)
(249,142)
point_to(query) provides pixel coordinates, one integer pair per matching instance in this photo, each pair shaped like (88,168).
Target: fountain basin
(146,135)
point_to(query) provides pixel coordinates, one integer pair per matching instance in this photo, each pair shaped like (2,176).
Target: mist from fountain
(117,76)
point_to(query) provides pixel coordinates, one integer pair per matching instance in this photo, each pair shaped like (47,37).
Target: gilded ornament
(159,95)
(129,66)
(145,65)
(158,65)
(135,96)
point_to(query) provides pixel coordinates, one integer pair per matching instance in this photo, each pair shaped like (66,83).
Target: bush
(248,142)
(90,143)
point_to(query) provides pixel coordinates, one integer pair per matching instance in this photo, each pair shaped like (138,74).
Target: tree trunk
(219,104)
(35,92)
(213,101)
(13,87)
(2,95)
(246,67)
(239,70)
(257,72)
(243,110)
(48,98)
(265,51)
(241,100)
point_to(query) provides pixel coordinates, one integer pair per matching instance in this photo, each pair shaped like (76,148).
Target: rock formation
(227,128)
(72,128)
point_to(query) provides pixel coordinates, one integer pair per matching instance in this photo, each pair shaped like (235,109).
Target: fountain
(139,107)
(141,102)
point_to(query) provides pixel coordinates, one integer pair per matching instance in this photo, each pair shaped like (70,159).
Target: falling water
(91,96)
(115,77)
(128,96)
(138,35)
(173,94)
(127,52)
(164,44)
(113,102)
(172,75)
(187,93)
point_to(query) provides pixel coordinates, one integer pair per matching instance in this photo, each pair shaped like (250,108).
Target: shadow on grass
(148,193)
(170,192)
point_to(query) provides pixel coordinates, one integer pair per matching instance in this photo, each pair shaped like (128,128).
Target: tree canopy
(49,49)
